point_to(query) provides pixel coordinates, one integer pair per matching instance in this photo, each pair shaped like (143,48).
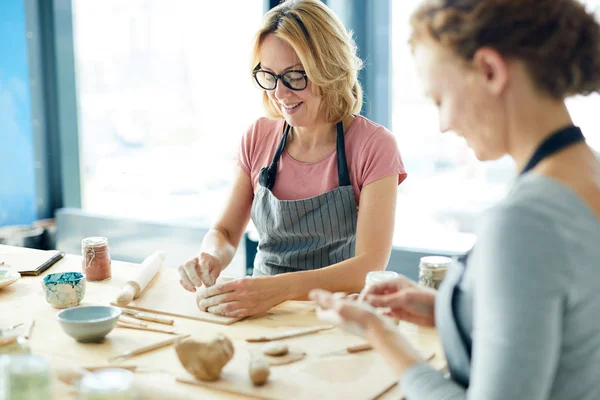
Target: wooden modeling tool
(148,317)
(146,349)
(132,289)
(289,334)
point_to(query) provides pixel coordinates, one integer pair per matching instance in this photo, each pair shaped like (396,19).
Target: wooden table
(24,300)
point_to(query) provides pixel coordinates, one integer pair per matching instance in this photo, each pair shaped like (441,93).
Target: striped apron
(306,234)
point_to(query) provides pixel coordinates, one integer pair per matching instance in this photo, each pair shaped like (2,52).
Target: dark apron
(306,234)
(457,342)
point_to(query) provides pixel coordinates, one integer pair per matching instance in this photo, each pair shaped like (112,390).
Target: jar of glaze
(96,262)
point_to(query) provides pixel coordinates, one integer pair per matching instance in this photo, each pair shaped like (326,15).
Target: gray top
(530,301)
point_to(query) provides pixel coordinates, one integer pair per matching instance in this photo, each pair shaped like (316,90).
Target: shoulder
(524,234)
(363,131)
(264,128)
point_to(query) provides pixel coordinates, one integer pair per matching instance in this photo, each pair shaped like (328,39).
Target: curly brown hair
(558,40)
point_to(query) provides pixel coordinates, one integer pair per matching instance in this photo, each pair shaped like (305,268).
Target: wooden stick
(289,334)
(148,317)
(132,321)
(359,347)
(145,328)
(148,348)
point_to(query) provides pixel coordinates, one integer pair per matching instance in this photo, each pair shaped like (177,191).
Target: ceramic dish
(64,289)
(8,277)
(88,323)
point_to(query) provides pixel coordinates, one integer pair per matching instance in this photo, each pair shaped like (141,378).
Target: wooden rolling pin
(132,289)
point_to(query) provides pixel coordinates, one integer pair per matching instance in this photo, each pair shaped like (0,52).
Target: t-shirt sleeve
(244,156)
(380,157)
(520,290)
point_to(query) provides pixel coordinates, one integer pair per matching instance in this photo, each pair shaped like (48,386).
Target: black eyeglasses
(294,80)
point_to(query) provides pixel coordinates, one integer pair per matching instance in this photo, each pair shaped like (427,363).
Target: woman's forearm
(393,346)
(347,276)
(216,243)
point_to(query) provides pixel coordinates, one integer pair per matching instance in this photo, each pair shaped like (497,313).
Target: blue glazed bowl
(64,289)
(88,323)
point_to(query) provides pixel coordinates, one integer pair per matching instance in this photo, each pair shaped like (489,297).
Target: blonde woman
(521,320)
(318,180)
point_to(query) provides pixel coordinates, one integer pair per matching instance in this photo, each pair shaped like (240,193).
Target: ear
(492,67)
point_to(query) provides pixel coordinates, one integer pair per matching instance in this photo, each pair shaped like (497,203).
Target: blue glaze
(64,289)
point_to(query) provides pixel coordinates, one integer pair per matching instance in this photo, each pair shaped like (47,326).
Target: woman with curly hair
(520,317)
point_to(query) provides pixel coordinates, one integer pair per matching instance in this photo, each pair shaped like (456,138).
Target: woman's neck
(529,129)
(317,135)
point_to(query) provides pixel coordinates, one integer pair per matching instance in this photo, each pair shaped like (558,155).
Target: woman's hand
(406,300)
(203,269)
(362,319)
(243,297)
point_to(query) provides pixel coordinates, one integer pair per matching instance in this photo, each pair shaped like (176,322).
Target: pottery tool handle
(132,289)
(148,348)
(153,318)
(146,328)
(359,347)
(289,334)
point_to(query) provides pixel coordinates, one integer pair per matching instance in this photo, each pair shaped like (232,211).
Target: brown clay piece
(205,360)
(259,371)
(275,349)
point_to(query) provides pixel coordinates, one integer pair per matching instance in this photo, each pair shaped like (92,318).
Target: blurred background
(120,118)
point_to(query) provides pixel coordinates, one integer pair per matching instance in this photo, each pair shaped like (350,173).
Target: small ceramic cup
(64,289)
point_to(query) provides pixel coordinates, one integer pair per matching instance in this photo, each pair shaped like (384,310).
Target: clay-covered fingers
(389,286)
(207,302)
(415,305)
(209,269)
(323,298)
(229,309)
(185,280)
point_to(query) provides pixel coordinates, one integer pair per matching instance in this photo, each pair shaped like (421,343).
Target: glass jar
(24,377)
(107,384)
(96,263)
(432,270)
(14,344)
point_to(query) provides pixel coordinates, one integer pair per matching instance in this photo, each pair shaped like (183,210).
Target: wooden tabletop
(360,375)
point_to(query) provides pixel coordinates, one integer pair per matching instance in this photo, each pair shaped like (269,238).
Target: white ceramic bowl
(88,323)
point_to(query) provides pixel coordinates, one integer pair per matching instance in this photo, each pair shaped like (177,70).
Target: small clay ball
(259,371)
(275,349)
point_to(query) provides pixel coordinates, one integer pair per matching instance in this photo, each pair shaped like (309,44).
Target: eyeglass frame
(279,77)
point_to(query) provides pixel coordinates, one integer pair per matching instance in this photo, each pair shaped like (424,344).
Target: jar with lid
(13,344)
(108,384)
(96,263)
(24,377)
(432,270)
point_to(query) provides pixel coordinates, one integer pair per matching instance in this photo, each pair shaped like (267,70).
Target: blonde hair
(326,50)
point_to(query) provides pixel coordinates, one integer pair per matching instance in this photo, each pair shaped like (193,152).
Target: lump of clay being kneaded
(205,360)
(259,371)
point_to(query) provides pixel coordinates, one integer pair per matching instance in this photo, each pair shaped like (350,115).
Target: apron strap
(266,177)
(342,164)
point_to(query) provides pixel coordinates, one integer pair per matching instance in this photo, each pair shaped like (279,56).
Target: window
(447,187)
(164,96)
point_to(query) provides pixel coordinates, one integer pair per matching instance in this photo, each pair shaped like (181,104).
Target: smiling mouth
(291,107)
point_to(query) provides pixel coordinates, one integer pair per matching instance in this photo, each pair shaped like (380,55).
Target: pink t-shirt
(371,152)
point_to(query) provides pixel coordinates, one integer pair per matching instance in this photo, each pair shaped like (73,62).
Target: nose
(281,91)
